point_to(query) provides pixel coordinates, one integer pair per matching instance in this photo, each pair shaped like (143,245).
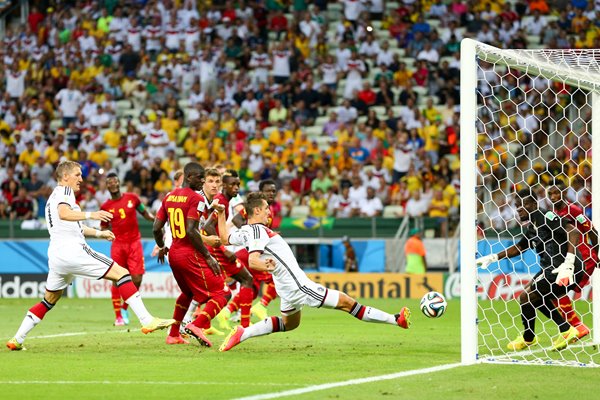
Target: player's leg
(36,313)
(130,294)
(341,301)
(117,253)
(269,294)
(287,322)
(245,295)
(176,332)
(550,293)
(528,300)
(209,289)
(136,267)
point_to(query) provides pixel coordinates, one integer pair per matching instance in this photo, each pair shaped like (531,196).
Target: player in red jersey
(587,248)
(197,273)
(126,249)
(227,259)
(269,188)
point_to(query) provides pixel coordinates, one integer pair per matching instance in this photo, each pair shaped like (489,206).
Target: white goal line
(359,381)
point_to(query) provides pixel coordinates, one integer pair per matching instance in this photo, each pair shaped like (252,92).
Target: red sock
(126,287)
(41,308)
(116,300)
(246,294)
(124,306)
(210,310)
(181,306)
(270,294)
(566,308)
(234,304)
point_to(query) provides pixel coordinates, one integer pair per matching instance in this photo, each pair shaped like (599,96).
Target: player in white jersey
(70,256)
(269,252)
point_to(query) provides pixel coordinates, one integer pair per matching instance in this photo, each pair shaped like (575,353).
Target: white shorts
(308,294)
(78,260)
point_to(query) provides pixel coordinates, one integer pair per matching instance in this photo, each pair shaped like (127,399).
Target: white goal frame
(470,51)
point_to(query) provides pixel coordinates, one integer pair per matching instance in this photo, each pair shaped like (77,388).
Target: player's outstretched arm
(485,261)
(103,234)
(66,213)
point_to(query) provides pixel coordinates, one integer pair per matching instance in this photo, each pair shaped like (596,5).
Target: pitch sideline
(360,381)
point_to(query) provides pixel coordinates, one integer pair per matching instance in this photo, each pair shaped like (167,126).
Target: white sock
(370,314)
(138,307)
(261,328)
(189,315)
(374,315)
(29,322)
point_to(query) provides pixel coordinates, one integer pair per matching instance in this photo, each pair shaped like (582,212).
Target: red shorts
(258,276)
(195,278)
(129,255)
(230,267)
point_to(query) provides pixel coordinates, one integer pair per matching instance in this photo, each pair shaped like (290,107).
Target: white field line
(205,383)
(78,334)
(359,381)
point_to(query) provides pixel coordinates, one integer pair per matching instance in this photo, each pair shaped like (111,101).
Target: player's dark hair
(230,173)
(560,184)
(254,200)
(527,194)
(266,182)
(112,175)
(192,167)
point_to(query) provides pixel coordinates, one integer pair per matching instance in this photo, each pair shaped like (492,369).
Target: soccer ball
(433,305)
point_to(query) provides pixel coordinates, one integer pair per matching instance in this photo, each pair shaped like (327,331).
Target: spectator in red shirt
(367,95)
(34,19)
(279,23)
(21,206)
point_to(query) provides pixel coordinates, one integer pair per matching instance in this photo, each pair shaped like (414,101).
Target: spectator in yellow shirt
(431,134)
(99,156)
(259,140)
(169,163)
(163,184)
(170,124)
(440,208)
(30,155)
(112,137)
(317,204)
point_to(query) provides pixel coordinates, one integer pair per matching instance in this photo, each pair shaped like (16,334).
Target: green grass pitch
(330,346)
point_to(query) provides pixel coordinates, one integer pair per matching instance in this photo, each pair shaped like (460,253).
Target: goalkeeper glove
(485,261)
(564,272)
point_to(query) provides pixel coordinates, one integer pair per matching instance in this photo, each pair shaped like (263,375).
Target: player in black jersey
(554,240)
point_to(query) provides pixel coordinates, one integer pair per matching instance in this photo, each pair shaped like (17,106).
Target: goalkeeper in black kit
(554,240)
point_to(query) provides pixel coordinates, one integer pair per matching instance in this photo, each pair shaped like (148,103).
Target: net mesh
(533,126)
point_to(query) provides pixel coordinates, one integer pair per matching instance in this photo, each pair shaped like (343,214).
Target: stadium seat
(393,211)
(299,212)
(313,131)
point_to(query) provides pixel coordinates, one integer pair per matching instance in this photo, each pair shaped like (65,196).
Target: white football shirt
(288,275)
(62,232)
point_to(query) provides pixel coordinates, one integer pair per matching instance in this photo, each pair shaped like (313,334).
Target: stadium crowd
(350,106)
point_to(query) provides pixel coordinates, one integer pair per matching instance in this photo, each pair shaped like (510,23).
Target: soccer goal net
(528,120)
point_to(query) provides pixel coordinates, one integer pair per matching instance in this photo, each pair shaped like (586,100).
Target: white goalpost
(528,117)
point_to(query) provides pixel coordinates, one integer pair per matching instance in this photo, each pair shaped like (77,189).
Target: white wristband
(88,215)
(98,233)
